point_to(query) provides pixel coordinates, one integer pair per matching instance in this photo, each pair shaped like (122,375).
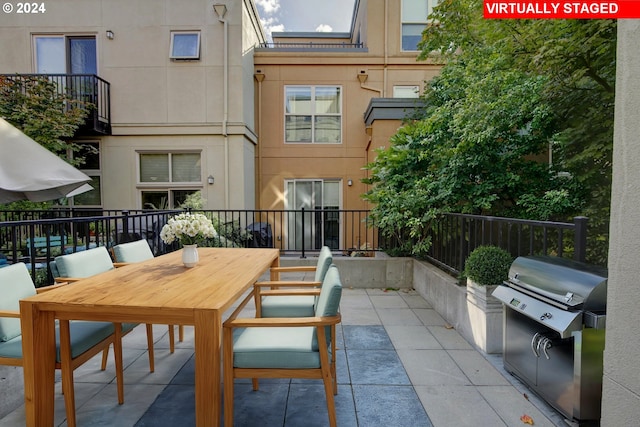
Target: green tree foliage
(509,91)
(37,107)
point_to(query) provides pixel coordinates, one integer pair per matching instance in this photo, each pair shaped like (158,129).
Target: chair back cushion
(15,284)
(137,251)
(84,264)
(330,293)
(325,259)
(54,269)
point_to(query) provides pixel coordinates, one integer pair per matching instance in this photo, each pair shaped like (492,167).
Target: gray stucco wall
(621,382)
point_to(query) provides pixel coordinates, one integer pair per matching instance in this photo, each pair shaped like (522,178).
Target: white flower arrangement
(188,228)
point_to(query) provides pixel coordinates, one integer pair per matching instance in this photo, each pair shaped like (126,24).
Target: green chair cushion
(325,259)
(288,306)
(15,284)
(276,348)
(288,347)
(329,299)
(84,264)
(12,348)
(133,251)
(84,335)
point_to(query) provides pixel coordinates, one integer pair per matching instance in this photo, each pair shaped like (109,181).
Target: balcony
(311,46)
(86,90)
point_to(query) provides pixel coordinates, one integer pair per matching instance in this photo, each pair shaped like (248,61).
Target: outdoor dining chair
(299,347)
(80,265)
(138,251)
(76,341)
(273,301)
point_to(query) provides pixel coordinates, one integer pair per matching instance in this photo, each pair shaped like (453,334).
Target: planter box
(485,317)
(471,310)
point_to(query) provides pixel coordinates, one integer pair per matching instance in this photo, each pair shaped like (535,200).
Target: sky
(305,15)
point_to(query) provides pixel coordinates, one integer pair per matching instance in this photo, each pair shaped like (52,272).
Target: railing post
(580,238)
(303,230)
(125,226)
(462,246)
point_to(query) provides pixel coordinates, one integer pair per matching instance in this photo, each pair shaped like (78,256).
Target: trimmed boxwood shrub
(488,265)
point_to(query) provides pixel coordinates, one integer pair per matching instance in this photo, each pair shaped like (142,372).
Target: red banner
(517,9)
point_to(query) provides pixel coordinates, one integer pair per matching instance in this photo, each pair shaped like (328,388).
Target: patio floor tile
(391,373)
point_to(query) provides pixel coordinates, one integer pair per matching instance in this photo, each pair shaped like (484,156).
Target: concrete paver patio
(399,364)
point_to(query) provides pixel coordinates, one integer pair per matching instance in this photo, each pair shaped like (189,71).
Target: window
(313,114)
(60,54)
(90,154)
(414,21)
(170,167)
(406,91)
(185,45)
(164,199)
(168,178)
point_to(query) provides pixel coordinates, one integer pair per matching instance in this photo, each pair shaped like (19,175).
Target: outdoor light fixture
(110,34)
(349,182)
(220,9)
(210,179)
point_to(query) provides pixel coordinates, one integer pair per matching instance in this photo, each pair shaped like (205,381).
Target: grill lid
(561,282)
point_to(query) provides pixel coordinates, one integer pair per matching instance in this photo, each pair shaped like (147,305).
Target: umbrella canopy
(28,171)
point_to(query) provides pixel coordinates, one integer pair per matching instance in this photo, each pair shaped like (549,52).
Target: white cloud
(271,25)
(324,28)
(268,6)
(276,28)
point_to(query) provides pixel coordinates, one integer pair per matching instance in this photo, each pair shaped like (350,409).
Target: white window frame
(170,186)
(65,50)
(313,114)
(170,183)
(414,21)
(177,57)
(91,173)
(398,89)
(312,210)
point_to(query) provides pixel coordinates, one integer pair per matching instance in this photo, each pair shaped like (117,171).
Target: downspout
(259,76)
(386,48)
(225,104)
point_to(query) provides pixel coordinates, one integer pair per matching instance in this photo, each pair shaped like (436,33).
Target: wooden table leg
(208,332)
(275,276)
(38,358)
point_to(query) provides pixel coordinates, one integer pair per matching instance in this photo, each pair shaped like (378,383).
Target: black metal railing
(36,237)
(310,45)
(36,241)
(454,236)
(90,92)
(301,231)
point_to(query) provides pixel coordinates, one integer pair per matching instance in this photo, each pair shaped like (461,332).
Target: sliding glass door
(314,221)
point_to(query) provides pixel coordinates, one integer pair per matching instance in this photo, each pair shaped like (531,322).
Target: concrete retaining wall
(367,272)
(479,321)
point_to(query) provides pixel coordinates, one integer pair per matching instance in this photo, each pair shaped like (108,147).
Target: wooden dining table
(158,291)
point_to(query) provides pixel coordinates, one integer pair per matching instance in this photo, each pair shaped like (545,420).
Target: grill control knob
(546,316)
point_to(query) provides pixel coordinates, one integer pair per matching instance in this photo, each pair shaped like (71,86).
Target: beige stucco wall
(621,384)
(385,66)
(157,103)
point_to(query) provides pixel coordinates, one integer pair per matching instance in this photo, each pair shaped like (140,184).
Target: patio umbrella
(28,171)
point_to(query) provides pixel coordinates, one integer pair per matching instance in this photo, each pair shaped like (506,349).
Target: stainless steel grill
(554,326)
